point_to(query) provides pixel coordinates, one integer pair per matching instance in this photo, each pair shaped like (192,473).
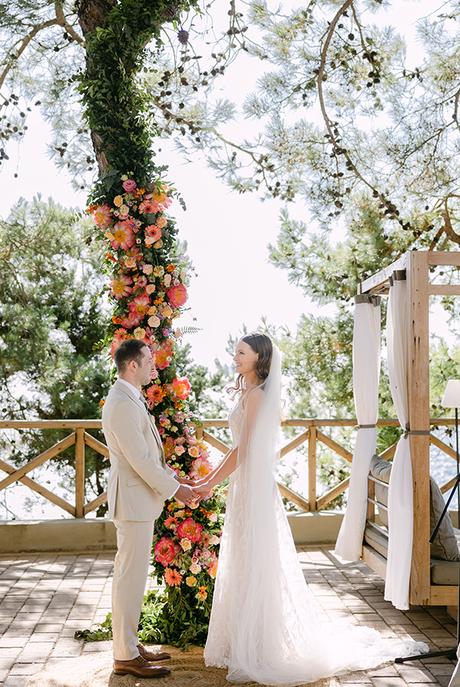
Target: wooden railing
(311,433)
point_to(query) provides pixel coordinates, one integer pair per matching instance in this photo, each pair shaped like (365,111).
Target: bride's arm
(237,454)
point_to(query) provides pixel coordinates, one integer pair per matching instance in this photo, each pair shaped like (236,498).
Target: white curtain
(400,499)
(366,371)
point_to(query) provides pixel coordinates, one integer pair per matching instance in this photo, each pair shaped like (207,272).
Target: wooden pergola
(418,265)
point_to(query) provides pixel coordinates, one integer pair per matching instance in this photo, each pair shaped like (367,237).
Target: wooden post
(419,419)
(80,473)
(312,468)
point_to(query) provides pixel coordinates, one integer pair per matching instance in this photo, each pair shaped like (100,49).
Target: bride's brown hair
(262,345)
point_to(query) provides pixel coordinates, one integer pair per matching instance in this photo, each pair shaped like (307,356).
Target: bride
(265,625)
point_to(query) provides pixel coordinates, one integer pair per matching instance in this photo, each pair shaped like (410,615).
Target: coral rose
(177,295)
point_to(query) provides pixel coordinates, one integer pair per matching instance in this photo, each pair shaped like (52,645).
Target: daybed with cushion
(444,552)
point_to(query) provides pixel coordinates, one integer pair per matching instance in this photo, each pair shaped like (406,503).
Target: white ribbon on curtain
(366,372)
(400,497)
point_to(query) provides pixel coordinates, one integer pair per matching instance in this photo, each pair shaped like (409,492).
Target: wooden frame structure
(417,265)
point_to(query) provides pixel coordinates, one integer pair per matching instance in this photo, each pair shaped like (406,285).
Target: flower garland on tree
(148,287)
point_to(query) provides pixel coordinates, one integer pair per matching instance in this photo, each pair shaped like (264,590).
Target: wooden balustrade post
(80,473)
(312,468)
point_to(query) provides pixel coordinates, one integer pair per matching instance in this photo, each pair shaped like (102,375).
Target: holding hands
(192,491)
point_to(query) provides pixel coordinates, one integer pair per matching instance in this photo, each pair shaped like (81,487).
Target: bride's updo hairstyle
(262,345)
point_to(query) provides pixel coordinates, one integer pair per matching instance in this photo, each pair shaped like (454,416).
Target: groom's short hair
(130,349)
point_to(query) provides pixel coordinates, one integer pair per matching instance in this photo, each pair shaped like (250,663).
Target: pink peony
(129,185)
(189,529)
(165,551)
(177,295)
(132,321)
(139,305)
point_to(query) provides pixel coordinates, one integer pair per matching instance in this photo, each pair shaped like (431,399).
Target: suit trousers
(134,544)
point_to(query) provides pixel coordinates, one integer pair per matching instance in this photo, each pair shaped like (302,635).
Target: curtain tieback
(366,426)
(416,432)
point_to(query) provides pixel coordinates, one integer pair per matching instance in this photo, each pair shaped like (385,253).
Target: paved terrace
(45,598)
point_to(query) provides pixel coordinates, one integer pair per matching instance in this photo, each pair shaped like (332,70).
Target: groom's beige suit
(139,484)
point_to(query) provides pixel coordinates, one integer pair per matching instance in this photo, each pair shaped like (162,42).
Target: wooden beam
(448,450)
(96,445)
(444,289)
(80,473)
(443,595)
(95,503)
(444,258)
(217,443)
(50,424)
(419,419)
(43,491)
(39,460)
(334,446)
(295,443)
(331,494)
(293,496)
(312,455)
(380,278)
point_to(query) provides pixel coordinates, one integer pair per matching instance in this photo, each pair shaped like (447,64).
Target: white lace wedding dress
(265,624)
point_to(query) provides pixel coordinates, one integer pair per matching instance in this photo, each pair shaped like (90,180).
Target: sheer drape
(366,371)
(400,497)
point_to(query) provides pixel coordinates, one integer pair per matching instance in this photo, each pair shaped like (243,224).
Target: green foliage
(52,317)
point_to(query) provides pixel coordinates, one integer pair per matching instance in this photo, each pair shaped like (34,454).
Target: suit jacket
(139,479)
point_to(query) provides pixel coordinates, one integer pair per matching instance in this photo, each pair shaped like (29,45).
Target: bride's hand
(203,490)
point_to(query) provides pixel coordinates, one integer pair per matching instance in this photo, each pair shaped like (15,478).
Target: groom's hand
(186,495)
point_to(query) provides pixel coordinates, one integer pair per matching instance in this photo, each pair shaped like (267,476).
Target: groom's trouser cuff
(134,542)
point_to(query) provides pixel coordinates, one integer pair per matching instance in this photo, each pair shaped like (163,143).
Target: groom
(139,484)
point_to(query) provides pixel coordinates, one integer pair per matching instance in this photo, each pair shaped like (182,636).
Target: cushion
(445,545)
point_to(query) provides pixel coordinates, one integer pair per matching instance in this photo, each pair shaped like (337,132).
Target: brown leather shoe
(152,655)
(140,668)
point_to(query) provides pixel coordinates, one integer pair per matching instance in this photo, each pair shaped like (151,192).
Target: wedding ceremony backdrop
(109,82)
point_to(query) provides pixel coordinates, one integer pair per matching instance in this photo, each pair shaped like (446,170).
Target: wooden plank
(380,278)
(295,443)
(374,560)
(371,500)
(444,258)
(291,495)
(312,455)
(444,290)
(443,595)
(39,460)
(50,424)
(419,419)
(332,493)
(97,445)
(389,452)
(95,503)
(334,446)
(217,443)
(80,473)
(448,485)
(43,491)
(448,450)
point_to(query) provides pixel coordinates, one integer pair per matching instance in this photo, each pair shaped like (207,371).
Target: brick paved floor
(45,598)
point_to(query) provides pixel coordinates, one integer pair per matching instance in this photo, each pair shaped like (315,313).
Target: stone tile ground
(45,598)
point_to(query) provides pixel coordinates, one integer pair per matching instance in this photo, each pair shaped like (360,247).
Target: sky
(227,233)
